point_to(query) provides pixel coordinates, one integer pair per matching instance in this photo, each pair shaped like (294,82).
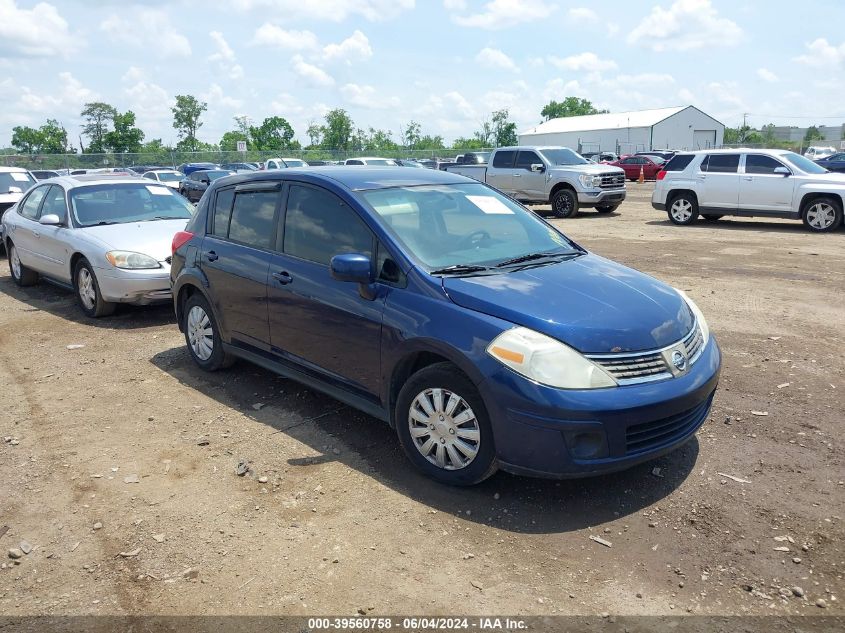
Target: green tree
(467,143)
(485,134)
(813,134)
(504,130)
(125,137)
(229,140)
(570,106)
(314,133)
(337,132)
(26,140)
(154,146)
(411,135)
(430,142)
(97,117)
(380,140)
(741,135)
(186,120)
(274,134)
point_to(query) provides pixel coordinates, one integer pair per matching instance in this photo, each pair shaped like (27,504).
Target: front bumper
(139,287)
(536,428)
(601,197)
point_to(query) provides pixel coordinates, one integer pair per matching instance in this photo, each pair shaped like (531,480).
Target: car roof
(85,180)
(740,150)
(357,178)
(369,158)
(17,170)
(163,171)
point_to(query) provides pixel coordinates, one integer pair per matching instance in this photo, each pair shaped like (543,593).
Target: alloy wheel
(15,262)
(444,429)
(86,289)
(200,333)
(821,216)
(681,210)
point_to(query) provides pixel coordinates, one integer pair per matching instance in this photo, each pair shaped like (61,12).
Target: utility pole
(744,116)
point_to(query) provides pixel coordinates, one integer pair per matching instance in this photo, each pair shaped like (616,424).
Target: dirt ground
(732,522)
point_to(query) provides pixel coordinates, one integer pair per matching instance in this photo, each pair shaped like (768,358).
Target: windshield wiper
(459,269)
(103,223)
(166,217)
(532,256)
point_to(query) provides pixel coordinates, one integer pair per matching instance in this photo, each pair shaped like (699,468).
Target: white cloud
(356,47)
(582,15)
(36,32)
(586,62)
(314,75)
(366,97)
(494,58)
(67,98)
(271,35)
(500,14)
(151,29)
(460,104)
(134,74)
(822,53)
(150,102)
(686,25)
(331,10)
(454,5)
(225,57)
(767,75)
(217,97)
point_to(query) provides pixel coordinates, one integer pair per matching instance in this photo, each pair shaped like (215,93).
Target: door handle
(748,178)
(283,277)
(211,256)
(36,234)
(517,175)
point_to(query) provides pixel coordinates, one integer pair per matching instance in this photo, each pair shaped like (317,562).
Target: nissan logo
(679,360)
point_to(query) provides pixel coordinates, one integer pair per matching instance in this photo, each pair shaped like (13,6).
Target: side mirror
(13,189)
(51,219)
(352,267)
(782,170)
(538,167)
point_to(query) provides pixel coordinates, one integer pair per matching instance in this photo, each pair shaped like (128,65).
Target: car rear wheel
(88,292)
(203,336)
(711,218)
(607,208)
(21,275)
(683,209)
(444,428)
(565,203)
(822,214)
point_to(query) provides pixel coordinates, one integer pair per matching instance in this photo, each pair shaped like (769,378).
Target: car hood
(590,168)
(150,238)
(831,178)
(10,198)
(590,303)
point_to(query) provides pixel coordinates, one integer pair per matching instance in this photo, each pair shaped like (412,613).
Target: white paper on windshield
(16,175)
(158,191)
(490,205)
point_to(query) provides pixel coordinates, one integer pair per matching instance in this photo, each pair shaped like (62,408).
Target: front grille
(612,181)
(652,435)
(694,344)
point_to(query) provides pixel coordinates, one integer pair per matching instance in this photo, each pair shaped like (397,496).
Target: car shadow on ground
(368,445)
(736,224)
(61,302)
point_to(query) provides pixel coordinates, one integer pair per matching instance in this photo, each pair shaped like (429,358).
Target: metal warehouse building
(684,127)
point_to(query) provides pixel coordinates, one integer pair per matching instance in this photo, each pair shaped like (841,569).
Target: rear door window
(722,163)
(524,160)
(504,159)
(253,218)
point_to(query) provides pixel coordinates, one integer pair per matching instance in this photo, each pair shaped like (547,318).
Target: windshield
(463,224)
(804,164)
(20,179)
(563,156)
(170,177)
(117,203)
(214,175)
(295,162)
(381,161)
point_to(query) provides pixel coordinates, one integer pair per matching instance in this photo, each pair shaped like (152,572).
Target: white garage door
(703,139)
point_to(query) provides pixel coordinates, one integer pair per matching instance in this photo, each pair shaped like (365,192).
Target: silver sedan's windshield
(463,225)
(117,203)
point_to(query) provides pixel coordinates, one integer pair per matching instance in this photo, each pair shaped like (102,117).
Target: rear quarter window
(679,162)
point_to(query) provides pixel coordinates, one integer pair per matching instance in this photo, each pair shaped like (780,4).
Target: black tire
(88,293)
(25,276)
(709,217)
(446,377)
(565,203)
(218,359)
(607,208)
(686,213)
(821,215)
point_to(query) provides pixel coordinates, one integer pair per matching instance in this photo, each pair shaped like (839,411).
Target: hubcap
(682,210)
(200,333)
(821,215)
(15,261)
(87,292)
(444,429)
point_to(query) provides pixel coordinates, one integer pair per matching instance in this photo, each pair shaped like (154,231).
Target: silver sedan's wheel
(682,210)
(15,262)
(85,288)
(821,216)
(444,429)
(200,333)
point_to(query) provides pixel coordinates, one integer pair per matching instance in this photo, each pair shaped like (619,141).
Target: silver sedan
(107,238)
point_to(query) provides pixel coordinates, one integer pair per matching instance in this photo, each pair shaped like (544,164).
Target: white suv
(746,182)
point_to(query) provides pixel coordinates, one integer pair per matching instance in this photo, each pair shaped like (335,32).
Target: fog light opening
(586,444)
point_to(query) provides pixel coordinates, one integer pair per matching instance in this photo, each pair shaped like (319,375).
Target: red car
(632,164)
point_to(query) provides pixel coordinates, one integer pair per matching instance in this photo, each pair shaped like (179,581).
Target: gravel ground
(118,460)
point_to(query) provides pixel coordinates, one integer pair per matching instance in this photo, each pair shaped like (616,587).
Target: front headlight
(128,260)
(547,361)
(590,181)
(699,316)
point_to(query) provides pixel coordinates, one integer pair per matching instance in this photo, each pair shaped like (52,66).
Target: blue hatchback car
(485,337)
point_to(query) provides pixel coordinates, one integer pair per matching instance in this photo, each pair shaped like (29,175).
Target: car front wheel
(565,203)
(607,208)
(822,214)
(683,209)
(444,428)
(88,292)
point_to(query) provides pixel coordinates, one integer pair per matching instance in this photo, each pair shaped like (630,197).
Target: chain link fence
(172,159)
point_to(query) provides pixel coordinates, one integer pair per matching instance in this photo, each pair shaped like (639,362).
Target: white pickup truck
(550,175)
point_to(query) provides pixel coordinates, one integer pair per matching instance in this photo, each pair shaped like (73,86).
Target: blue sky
(444,63)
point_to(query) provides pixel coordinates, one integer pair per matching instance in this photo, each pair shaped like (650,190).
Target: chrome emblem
(679,360)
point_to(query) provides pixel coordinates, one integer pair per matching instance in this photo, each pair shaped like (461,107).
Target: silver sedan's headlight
(128,260)
(699,316)
(547,361)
